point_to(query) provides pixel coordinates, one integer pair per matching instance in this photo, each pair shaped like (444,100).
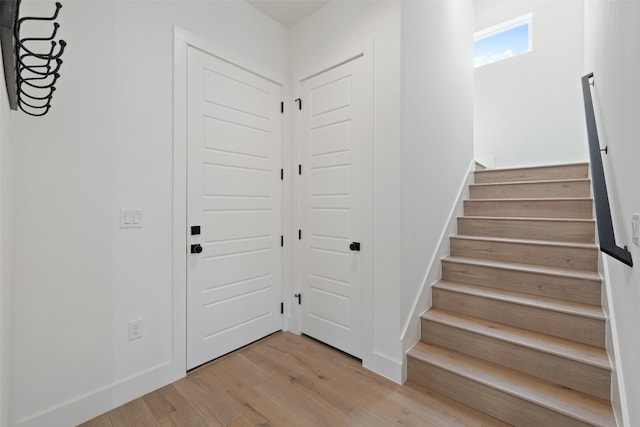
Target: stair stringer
(618,390)
(422,302)
(619,401)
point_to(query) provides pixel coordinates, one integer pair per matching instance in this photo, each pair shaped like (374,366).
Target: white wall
(106,145)
(6,257)
(423,141)
(528,109)
(333,33)
(437,134)
(612,53)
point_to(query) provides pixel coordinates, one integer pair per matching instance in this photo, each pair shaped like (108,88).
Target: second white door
(332,142)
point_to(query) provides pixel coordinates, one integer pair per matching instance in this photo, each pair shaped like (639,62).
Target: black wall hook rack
(31,64)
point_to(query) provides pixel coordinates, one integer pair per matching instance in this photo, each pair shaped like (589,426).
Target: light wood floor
(288,380)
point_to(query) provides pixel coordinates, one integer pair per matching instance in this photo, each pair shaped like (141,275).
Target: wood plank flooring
(289,380)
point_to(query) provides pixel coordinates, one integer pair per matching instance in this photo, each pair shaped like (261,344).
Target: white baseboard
(488,162)
(385,366)
(618,395)
(411,332)
(90,405)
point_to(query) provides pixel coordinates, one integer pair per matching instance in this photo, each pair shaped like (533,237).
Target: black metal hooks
(37,64)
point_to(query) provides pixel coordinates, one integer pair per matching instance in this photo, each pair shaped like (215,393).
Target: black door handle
(196,249)
(355,246)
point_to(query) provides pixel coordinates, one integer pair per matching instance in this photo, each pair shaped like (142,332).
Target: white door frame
(365,53)
(182,41)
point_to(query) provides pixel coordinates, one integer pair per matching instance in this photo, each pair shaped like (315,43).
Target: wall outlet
(635,228)
(135,329)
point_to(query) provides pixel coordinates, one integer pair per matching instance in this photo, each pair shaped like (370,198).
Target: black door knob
(354,246)
(196,249)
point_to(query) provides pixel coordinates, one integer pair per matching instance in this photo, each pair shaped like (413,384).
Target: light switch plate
(635,228)
(130,218)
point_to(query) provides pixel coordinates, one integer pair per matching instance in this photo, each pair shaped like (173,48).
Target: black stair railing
(601,196)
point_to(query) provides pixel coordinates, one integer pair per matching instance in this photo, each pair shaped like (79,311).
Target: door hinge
(299,101)
(281,308)
(282,241)
(299,234)
(281,174)
(282,108)
(299,169)
(299,296)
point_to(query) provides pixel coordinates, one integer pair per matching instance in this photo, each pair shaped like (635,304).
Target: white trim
(488,162)
(619,396)
(294,312)
(346,61)
(288,223)
(221,52)
(411,331)
(370,358)
(85,407)
(179,203)
(385,366)
(326,64)
(505,26)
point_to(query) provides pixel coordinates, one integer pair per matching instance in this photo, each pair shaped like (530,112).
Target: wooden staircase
(516,329)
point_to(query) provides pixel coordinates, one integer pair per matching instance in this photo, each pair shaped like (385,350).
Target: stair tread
(583,353)
(527,241)
(537,181)
(522,218)
(553,271)
(525,168)
(470,416)
(583,310)
(532,199)
(583,407)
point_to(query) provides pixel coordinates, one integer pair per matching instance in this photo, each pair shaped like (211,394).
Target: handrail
(603,210)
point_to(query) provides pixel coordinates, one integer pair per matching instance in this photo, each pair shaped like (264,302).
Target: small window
(502,41)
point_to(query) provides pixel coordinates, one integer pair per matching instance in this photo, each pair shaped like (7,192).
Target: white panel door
(234,285)
(332,140)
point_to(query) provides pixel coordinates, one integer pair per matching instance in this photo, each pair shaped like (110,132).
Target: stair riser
(564,288)
(582,209)
(566,372)
(551,256)
(500,405)
(579,171)
(557,231)
(563,325)
(531,190)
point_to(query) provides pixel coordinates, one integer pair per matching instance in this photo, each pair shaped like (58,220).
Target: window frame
(519,21)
